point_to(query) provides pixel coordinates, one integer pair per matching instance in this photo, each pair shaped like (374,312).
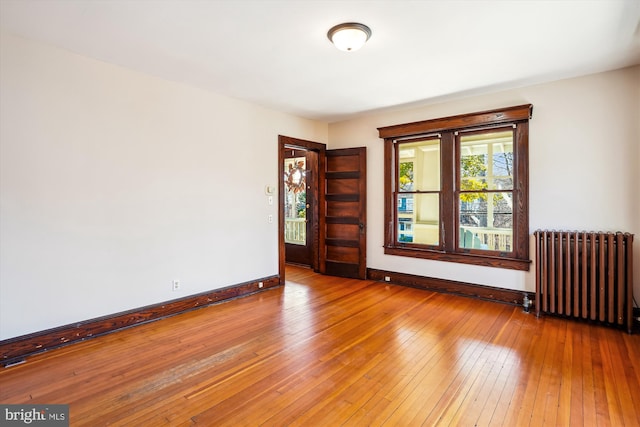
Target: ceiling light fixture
(349,36)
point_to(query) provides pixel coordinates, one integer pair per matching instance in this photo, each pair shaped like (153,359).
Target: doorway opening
(300,171)
(322,208)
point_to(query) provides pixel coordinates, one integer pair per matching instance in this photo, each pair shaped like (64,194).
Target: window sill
(464,258)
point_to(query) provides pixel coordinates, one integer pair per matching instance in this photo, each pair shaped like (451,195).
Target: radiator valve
(526,303)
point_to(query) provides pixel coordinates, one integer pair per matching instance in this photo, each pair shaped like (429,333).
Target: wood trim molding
(493,117)
(449,132)
(483,292)
(15,350)
(462,258)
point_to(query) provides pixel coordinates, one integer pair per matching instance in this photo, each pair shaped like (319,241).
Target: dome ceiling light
(349,36)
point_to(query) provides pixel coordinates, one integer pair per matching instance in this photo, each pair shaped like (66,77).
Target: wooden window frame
(448,127)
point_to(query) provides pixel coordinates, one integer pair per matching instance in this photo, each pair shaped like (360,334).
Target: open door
(300,198)
(343,241)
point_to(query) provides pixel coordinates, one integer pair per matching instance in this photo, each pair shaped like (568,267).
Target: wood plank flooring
(326,351)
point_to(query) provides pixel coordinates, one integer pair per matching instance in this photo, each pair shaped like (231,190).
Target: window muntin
(481,191)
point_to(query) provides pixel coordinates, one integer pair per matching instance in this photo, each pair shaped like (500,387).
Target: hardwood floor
(325,351)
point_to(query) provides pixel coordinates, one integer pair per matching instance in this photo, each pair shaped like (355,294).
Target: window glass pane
(419,166)
(486,221)
(419,218)
(486,161)
(295,201)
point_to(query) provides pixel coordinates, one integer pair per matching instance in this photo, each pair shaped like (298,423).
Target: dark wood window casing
(448,130)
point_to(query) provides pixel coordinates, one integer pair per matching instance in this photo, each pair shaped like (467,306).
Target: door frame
(318,217)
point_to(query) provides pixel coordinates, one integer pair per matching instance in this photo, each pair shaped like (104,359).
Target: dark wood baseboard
(488,293)
(15,350)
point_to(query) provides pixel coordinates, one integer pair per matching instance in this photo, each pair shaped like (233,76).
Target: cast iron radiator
(585,275)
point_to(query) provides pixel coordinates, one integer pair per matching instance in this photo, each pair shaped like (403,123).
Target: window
(456,188)
(418,191)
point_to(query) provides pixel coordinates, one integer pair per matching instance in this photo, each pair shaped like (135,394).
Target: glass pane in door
(295,201)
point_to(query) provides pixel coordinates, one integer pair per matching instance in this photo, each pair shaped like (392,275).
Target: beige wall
(584,157)
(113,183)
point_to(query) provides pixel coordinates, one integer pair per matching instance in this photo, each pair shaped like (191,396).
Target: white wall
(584,157)
(113,183)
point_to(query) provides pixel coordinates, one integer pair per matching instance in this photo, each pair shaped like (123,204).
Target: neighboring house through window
(456,188)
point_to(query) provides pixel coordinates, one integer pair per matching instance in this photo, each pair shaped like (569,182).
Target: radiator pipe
(526,303)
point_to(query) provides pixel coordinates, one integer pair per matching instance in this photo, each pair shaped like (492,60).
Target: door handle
(361,225)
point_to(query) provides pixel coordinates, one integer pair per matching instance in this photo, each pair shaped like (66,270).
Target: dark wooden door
(301,168)
(343,239)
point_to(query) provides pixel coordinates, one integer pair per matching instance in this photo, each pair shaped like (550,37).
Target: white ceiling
(276,53)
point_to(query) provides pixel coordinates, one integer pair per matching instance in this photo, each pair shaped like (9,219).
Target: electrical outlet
(387,278)
(260,284)
(175,285)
